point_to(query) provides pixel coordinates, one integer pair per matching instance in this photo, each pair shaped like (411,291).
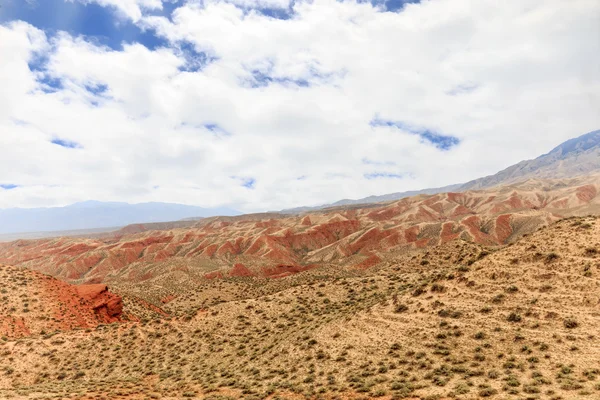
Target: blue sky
(98,23)
(104,26)
(65,143)
(8,186)
(267,104)
(439,140)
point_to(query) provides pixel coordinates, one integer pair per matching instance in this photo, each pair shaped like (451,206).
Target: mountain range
(95,214)
(575,157)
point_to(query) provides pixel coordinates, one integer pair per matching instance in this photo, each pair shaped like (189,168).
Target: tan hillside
(458,320)
(272,245)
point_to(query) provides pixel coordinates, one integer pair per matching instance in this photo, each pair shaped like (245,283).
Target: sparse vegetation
(394,331)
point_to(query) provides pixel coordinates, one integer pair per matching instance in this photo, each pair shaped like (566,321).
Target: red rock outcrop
(106,305)
(52,304)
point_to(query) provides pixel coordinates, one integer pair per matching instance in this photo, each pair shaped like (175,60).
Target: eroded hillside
(35,304)
(277,246)
(457,320)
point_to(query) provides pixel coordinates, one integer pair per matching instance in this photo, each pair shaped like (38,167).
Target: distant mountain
(96,214)
(575,157)
(374,199)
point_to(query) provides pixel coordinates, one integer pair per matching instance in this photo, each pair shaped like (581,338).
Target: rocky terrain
(37,304)
(458,320)
(491,293)
(273,245)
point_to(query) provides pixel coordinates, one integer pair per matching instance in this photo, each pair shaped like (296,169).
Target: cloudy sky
(267,104)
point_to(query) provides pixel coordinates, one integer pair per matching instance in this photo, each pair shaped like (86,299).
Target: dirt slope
(457,320)
(275,246)
(33,304)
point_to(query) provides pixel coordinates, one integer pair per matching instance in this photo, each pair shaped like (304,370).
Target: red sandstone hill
(272,245)
(33,303)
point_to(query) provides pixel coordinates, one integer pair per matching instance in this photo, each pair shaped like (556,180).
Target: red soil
(213,275)
(448,234)
(460,211)
(369,262)
(503,228)
(78,248)
(168,299)
(61,306)
(240,270)
(106,305)
(370,240)
(473,225)
(11,326)
(264,246)
(586,193)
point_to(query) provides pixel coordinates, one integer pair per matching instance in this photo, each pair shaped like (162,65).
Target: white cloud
(510,80)
(252,4)
(132,9)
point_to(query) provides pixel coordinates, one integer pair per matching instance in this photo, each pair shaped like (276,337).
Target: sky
(271,104)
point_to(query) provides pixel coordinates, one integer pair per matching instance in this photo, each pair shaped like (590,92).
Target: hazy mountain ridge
(96,214)
(575,157)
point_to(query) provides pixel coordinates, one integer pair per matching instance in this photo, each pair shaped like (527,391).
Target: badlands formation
(491,293)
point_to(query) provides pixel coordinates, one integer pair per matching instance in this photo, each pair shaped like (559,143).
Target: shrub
(512,289)
(551,257)
(79,374)
(487,392)
(436,287)
(449,313)
(461,388)
(498,298)
(513,317)
(570,323)
(479,335)
(400,308)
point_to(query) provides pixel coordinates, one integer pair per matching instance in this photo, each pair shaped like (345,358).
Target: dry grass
(457,320)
